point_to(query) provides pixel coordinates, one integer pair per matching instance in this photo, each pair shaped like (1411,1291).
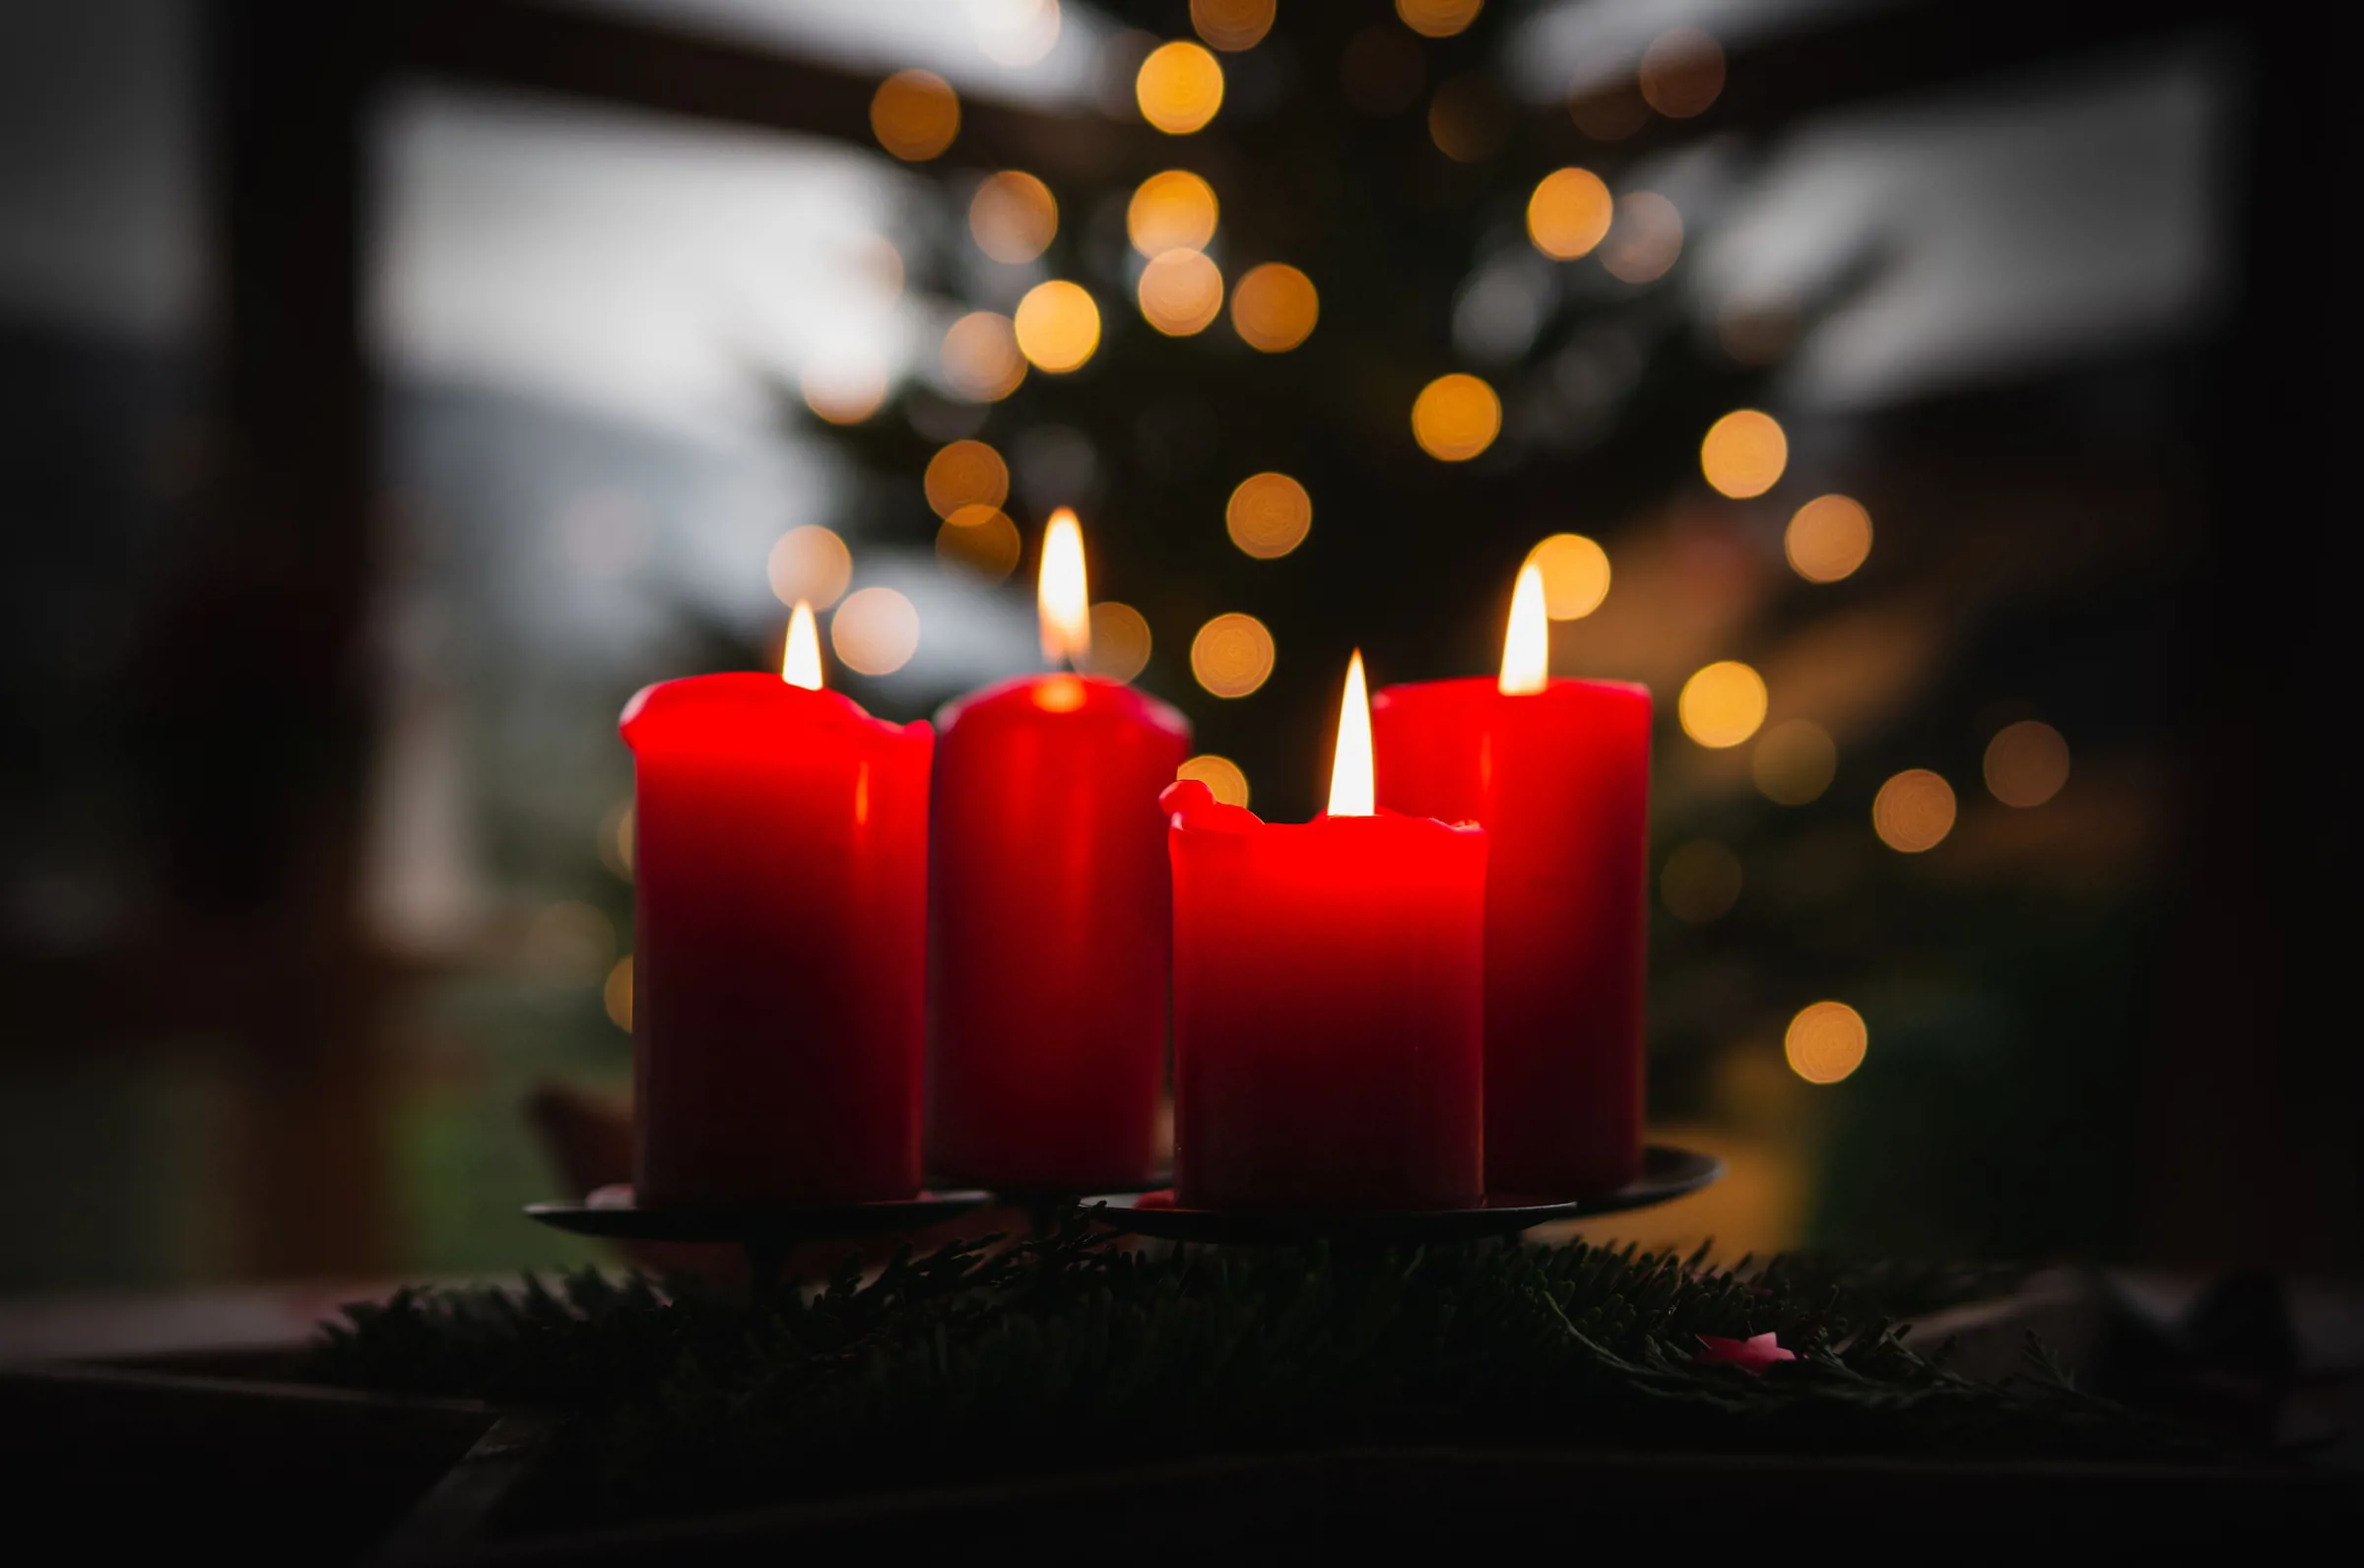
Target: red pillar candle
(1328,1032)
(1558,772)
(779,991)
(1050,918)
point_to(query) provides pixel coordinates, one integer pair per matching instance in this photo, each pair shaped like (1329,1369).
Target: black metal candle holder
(1046,1207)
(765,1232)
(1667,1173)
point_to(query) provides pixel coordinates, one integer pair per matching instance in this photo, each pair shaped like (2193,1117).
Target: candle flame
(1527,648)
(1061,598)
(800,666)
(1352,790)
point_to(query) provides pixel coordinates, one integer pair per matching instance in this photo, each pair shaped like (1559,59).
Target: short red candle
(1560,779)
(1328,1032)
(1328,1043)
(779,991)
(1051,912)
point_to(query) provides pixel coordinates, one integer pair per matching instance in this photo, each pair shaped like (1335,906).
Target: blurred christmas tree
(1322,357)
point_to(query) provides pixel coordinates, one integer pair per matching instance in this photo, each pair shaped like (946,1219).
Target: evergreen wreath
(1068,1351)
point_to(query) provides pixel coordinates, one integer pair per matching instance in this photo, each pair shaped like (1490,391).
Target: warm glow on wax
(801,665)
(1060,597)
(1352,791)
(1526,647)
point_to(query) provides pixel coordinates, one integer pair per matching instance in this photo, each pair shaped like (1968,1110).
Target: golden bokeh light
(1232,655)
(1468,119)
(1700,882)
(981,358)
(1274,307)
(1438,18)
(1828,537)
(1825,1042)
(1644,239)
(1058,326)
(1455,418)
(915,114)
(617,994)
(2027,763)
(1912,812)
(1568,214)
(1610,112)
(875,632)
(845,391)
(811,564)
(1181,293)
(1171,211)
(1681,73)
(1222,776)
(1179,88)
(1575,575)
(1231,24)
(1743,453)
(1723,704)
(1794,763)
(1269,516)
(1120,642)
(1013,217)
(980,539)
(966,473)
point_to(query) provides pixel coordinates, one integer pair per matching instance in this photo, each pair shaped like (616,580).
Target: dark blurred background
(387,392)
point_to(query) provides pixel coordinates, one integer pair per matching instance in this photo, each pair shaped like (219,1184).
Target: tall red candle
(1558,772)
(780,886)
(1051,912)
(1328,987)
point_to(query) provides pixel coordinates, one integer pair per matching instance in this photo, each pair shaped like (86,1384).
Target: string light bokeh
(812,564)
(1232,655)
(1275,307)
(1576,575)
(1180,88)
(1057,326)
(1013,217)
(1269,516)
(875,630)
(1456,417)
(915,114)
(1174,210)
(1222,776)
(1722,704)
(981,358)
(1913,810)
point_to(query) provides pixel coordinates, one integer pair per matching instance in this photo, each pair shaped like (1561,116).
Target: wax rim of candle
(754,696)
(1191,807)
(1099,702)
(1557,687)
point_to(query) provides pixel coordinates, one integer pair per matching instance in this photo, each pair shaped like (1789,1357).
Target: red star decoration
(1751,1355)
